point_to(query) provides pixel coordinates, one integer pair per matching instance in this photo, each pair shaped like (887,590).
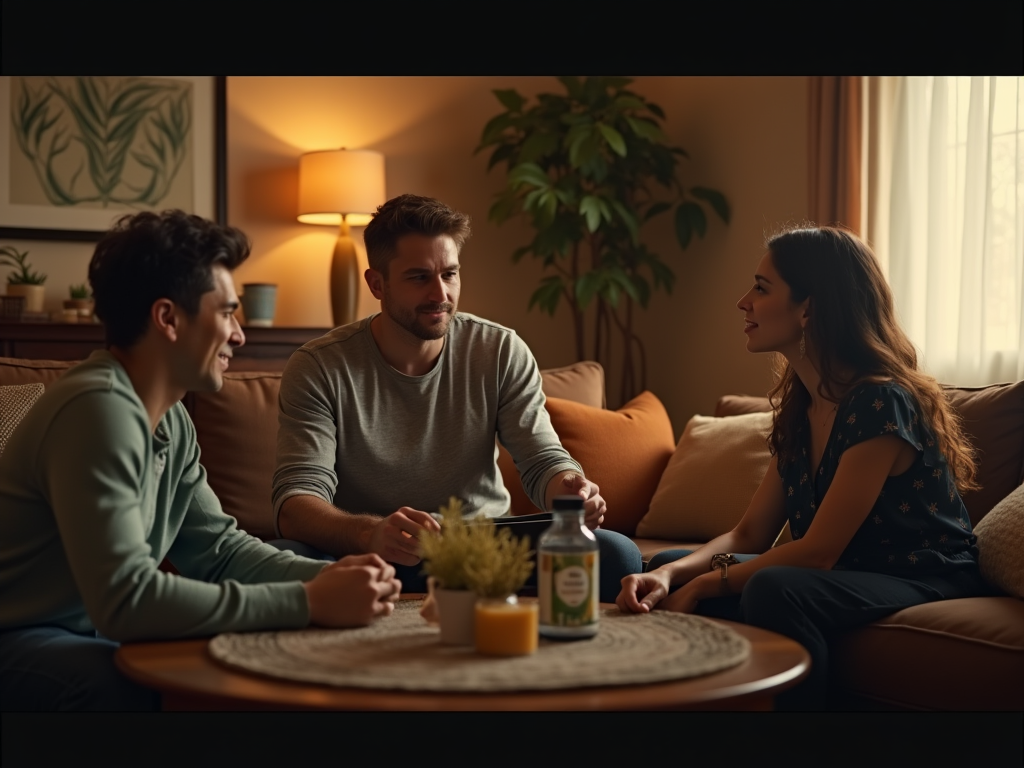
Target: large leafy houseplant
(589,168)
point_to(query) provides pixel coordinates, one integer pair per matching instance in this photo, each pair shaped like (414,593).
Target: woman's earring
(803,344)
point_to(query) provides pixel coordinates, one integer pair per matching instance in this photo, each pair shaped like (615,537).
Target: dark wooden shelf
(265,349)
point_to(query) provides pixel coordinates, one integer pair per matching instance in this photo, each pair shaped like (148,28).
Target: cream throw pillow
(710,479)
(1000,554)
(15,401)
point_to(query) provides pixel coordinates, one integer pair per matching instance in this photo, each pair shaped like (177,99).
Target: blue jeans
(810,605)
(619,558)
(46,669)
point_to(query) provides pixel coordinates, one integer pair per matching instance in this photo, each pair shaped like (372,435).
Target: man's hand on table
(352,592)
(396,537)
(594,506)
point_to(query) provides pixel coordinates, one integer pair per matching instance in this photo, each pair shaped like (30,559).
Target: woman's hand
(642,591)
(685,599)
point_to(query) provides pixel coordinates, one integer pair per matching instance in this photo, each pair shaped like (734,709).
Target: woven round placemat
(404,652)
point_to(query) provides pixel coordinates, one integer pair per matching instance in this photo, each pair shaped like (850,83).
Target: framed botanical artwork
(77,152)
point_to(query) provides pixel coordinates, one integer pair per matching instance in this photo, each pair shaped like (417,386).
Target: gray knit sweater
(368,439)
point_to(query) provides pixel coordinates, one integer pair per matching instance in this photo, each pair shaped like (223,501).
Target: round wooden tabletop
(189,679)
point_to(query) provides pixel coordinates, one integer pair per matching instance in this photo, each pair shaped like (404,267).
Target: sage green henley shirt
(91,501)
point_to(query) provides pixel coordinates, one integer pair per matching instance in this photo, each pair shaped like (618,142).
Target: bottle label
(568,589)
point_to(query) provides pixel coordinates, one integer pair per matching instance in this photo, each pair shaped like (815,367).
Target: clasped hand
(352,592)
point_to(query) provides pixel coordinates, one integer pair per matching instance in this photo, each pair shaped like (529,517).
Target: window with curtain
(946,171)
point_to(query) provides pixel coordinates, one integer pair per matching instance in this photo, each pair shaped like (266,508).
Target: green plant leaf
(504,152)
(684,228)
(528,173)
(519,252)
(537,146)
(715,199)
(647,129)
(590,208)
(495,127)
(627,101)
(510,99)
(547,296)
(656,209)
(629,219)
(502,208)
(656,110)
(618,276)
(587,286)
(643,290)
(697,218)
(573,87)
(662,274)
(614,139)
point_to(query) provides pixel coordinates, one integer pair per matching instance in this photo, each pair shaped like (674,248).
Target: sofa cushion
(1000,539)
(581,382)
(710,479)
(14,370)
(993,418)
(237,432)
(623,451)
(904,660)
(15,402)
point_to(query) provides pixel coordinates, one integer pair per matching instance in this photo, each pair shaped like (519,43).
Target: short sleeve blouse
(919,524)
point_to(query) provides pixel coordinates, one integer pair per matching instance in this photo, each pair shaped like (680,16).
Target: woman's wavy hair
(852,327)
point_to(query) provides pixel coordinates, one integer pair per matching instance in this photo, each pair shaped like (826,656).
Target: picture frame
(27,210)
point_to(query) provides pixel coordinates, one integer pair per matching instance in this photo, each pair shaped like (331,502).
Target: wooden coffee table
(190,680)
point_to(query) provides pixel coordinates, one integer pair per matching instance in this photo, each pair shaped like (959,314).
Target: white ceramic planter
(456,612)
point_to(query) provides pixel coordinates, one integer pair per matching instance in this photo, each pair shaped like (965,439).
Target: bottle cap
(567,503)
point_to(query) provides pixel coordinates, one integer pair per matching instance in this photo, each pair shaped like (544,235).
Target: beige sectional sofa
(953,655)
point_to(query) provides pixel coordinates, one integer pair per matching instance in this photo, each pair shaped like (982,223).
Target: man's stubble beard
(411,321)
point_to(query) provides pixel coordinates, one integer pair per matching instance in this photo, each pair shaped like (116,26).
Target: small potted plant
(23,281)
(80,302)
(466,560)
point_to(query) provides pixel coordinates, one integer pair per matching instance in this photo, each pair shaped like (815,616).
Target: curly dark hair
(149,256)
(406,215)
(852,327)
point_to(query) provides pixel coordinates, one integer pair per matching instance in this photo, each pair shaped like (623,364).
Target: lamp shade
(338,182)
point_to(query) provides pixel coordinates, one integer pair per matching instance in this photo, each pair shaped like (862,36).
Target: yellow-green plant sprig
(474,554)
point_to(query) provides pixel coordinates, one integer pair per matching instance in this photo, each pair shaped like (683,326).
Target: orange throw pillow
(623,451)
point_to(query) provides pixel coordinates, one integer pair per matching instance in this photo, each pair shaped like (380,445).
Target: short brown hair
(410,215)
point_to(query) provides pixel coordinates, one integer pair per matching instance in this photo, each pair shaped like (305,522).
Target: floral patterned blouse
(919,524)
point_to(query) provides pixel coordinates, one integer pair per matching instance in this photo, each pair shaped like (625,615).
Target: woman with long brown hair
(868,463)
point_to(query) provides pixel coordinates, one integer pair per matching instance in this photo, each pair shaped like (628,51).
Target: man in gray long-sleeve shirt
(381,421)
(101,481)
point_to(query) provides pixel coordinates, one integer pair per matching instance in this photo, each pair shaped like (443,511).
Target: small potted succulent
(80,303)
(23,281)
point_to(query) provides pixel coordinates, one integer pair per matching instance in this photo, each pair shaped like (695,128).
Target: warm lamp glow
(340,182)
(341,187)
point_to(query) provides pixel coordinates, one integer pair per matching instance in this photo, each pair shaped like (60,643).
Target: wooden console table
(265,349)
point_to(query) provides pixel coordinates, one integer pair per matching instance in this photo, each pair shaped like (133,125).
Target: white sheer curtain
(948,152)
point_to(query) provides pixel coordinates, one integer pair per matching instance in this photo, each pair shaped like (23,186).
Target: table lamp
(341,187)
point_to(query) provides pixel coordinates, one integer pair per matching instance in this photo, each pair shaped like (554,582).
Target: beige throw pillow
(710,479)
(1000,553)
(15,402)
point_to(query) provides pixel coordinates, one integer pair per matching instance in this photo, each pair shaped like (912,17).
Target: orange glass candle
(506,627)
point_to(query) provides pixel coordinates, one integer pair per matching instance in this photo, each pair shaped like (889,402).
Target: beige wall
(746,137)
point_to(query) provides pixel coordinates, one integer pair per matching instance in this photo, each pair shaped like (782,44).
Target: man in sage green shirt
(101,481)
